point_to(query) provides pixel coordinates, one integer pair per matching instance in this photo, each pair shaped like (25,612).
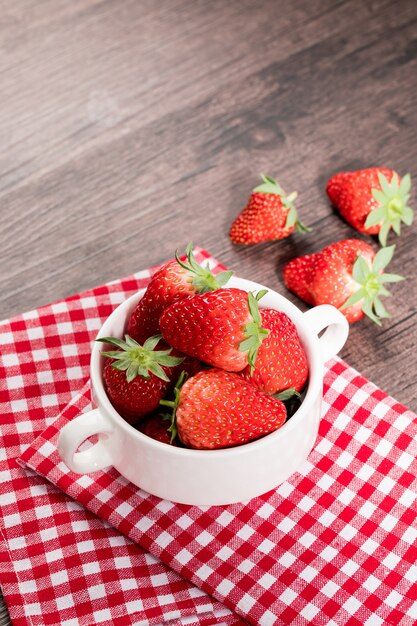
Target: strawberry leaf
(360,270)
(114,341)
(202,278)
(149,344)
(300,227)
(254,333)
(291,217)
(156,369)
(383,233)
(382,258)
(391,278)
(269,185)
(139,360)
(367,309)
(120,365)
(287,394)
(405,185)
(370,281)
(380,310)
(254,309)
(408,216)
(354,298)
(392,207)
(173,405)
(131,372)
(396,226)
(375,217)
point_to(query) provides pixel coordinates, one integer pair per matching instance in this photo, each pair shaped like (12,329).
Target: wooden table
(129,128)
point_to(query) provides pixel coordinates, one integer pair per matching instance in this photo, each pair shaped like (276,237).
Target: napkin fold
(60,564)
(335,544)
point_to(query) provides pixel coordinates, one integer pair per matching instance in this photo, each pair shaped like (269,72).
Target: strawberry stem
(202,278)
(392,208)
(137,360)
(254,333)
(173,404)
(370,280)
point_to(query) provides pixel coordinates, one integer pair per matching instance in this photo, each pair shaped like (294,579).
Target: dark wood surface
(129,128)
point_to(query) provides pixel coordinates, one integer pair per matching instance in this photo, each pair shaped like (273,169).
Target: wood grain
(127,129)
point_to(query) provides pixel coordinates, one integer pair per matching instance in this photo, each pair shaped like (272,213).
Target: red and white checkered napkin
(61,565)
(335,544)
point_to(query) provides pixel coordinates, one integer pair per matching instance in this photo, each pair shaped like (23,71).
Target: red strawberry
(157,427)
(270,214)
(347,274)
(221,328)
(137,377)
(174,281)
(373,200)
(281,362)
(219,409)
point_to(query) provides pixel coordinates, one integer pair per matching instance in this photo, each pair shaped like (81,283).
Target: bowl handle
(335,325)
(77,431)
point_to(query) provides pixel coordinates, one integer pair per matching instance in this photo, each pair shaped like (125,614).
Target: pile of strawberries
(202,365)
(347,274)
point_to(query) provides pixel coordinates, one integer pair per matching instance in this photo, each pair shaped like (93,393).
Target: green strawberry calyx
(254,333)
(137,360)
(287,394)
(173,404)
(392,209)
(270,185)
(202,278)
(371,281)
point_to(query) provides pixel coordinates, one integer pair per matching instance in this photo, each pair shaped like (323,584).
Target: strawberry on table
(175,280)
(270,214)
(219,409)
(281,362)
(221,328)
(137,377)
(373,200)
(347,274)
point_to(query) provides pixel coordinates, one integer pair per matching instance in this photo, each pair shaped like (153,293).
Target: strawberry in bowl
(231,439)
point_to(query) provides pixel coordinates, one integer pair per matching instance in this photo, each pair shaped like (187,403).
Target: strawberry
(221,328)
(281,362)
(157,427)
(269,214)
(347,274)
(219,409)
(137,377)
(373,200)
(176,280)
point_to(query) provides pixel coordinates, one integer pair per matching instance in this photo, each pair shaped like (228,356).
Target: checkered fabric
(59,563)
(333,545)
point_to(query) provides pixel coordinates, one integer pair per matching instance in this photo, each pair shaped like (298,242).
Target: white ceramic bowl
(206,477)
